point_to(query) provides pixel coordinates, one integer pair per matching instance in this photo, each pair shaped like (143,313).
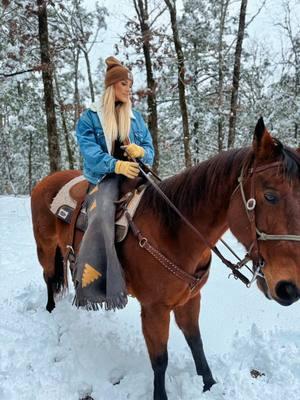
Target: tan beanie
(116,72)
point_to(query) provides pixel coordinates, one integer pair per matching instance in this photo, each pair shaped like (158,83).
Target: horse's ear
(264,145)
(259,130)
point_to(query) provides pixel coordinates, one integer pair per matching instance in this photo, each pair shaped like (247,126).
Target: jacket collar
(96,108)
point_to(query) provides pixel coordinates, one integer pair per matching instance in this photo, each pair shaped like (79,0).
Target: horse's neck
(217,179)
(212,209)
(202,194)
(210,214)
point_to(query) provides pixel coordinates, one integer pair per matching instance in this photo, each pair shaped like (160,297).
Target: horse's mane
(207,180)
(186,189)
(291,161)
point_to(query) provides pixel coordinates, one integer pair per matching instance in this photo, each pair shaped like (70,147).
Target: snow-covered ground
(72,353)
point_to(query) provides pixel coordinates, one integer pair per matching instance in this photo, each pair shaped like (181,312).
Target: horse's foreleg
(187,317)
(155,322)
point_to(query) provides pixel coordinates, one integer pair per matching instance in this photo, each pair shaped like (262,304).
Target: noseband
(250,205)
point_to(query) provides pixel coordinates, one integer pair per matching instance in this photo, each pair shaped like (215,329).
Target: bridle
(257,235)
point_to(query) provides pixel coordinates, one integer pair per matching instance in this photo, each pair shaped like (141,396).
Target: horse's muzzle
(262,285)
(286,293)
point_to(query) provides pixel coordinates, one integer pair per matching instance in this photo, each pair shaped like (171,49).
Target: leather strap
(70,254)
(193,281)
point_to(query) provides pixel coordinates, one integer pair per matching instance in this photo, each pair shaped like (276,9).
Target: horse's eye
(271,198)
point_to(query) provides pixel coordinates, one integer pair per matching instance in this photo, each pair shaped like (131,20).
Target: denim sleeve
(146,143)
(95,158)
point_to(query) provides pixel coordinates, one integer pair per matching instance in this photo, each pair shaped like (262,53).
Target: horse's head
(267,201)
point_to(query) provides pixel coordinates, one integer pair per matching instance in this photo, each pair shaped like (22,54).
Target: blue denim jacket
(97,162)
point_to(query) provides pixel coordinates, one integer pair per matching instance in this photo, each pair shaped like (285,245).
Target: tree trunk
(171,4)
(297,85)
(30,163)
(142,11)
(8,163)
(236,74)
(76,90)
(88,66)
(196,159)
(224,7)
(47,71)
(64,123)
(294,39)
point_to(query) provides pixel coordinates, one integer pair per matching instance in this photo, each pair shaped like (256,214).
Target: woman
(101,130)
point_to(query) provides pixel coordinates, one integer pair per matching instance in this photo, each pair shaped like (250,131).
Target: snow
(73,353)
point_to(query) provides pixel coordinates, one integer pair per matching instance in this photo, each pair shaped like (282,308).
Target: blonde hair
(116,120)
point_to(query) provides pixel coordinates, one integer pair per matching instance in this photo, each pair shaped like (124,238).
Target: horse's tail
(60,279)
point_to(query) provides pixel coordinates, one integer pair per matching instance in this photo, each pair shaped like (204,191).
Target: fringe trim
(107,303)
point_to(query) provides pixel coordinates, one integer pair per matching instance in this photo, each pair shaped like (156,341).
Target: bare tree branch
(36,69)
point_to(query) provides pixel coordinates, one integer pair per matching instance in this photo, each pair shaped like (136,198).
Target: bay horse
(248,190)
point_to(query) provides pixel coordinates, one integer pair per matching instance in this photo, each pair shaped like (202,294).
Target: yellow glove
(127,168)
(134,151)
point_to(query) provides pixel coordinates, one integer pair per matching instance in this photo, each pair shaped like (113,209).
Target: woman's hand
(127,168)
(134,151)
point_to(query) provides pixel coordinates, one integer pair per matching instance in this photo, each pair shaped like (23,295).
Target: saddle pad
(64,204)
(64,197)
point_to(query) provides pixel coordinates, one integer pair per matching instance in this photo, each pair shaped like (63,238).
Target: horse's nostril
(287,291)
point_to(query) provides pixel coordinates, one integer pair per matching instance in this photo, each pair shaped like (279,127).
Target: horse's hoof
(50,307)
(208,384)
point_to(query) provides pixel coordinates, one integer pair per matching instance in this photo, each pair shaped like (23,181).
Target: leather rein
(253,253)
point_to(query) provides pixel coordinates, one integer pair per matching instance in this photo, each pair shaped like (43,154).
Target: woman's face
(123,90)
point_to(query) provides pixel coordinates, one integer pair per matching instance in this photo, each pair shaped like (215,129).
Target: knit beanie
(116,72)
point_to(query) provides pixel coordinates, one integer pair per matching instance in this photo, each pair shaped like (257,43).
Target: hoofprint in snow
(72,353)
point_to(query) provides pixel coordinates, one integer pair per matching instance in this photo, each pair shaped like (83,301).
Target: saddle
(69,204)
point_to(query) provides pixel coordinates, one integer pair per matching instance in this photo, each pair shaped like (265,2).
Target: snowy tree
(145,36)
(80,29)
(171,4)
(236,73)
(24,149)
(207,36)
(47,76)
(289,84)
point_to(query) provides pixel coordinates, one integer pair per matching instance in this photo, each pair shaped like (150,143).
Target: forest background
(204,71)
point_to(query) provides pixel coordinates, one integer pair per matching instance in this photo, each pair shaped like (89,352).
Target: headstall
(256,233)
